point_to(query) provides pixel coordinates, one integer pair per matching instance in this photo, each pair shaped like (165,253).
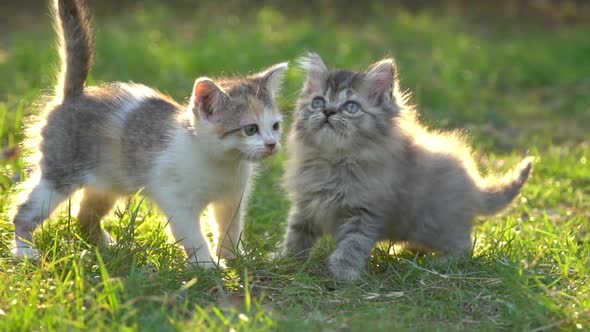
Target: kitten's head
(342,109)
(240,115)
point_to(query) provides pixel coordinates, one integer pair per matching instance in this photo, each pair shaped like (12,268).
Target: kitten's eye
(318,103)
(351,107)
(250,129)
(276,126)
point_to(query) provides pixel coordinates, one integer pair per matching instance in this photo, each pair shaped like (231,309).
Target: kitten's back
(113,128)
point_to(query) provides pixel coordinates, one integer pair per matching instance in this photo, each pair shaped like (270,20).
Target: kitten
(362,168)
(114,139)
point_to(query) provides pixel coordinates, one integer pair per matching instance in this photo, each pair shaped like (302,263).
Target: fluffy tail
(497,194)
(76,46)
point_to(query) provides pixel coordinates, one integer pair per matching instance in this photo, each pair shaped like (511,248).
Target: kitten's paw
(276,255)
(208,263)
(219,263)
(448,260)
(106,240)
(25,251)
(343,270)
(229,254)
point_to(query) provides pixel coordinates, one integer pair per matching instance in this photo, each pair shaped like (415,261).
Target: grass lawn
(516,88)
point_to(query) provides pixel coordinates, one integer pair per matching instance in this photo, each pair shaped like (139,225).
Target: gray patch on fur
(79,134)
(68,146)
(148,131)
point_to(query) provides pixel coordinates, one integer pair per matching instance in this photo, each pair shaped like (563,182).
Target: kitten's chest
(214,186)
(200,182)
(213,189)
(330,190)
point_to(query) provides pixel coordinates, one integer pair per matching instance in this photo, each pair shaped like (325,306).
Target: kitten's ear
(208,100)
(272,78)
(381,78)
(316,72)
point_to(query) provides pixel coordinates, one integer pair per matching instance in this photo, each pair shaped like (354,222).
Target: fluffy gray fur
(377,174)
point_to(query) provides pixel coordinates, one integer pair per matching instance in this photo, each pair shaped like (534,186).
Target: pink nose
(270,146)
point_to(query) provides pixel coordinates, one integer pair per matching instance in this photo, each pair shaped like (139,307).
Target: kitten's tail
(498,193)
(76,46)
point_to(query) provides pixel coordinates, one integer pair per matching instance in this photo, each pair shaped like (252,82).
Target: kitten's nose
(270,146)
(329,111)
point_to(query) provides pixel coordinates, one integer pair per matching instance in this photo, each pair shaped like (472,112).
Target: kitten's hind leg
(36,206)
(94,206)
(300,236)
(459,248)
(356,239)
(451,237)
(228,215)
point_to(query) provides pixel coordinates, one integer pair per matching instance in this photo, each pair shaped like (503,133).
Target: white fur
(316,71)
(275,75)
(136,95)
(255,146)
(44,200)
(190,175)
(195,172)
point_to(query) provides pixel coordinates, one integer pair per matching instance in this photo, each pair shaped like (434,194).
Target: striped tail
(76,46)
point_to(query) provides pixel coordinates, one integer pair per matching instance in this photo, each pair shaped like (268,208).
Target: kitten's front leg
(228,215)
(301,235)
(188,231)
(356,239)
(185,224)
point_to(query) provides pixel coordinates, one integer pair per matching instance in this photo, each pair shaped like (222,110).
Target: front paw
(24,250)
(106,240)
(276,255)
(229,253)
(207,262)
(211,264)
(297,252)
(343,269)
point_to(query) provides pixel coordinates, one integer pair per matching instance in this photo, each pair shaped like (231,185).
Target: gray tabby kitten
(363,169)
(114,139)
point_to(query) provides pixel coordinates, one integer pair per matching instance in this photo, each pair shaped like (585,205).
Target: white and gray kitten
(363,169)
(114,139)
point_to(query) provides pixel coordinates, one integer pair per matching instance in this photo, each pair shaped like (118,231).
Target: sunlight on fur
(114,139)
(208,227)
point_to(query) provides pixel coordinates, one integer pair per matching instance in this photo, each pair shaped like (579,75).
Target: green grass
(516,89)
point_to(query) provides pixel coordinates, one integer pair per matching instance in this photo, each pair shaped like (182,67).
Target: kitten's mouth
(326,123)
(259,156)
